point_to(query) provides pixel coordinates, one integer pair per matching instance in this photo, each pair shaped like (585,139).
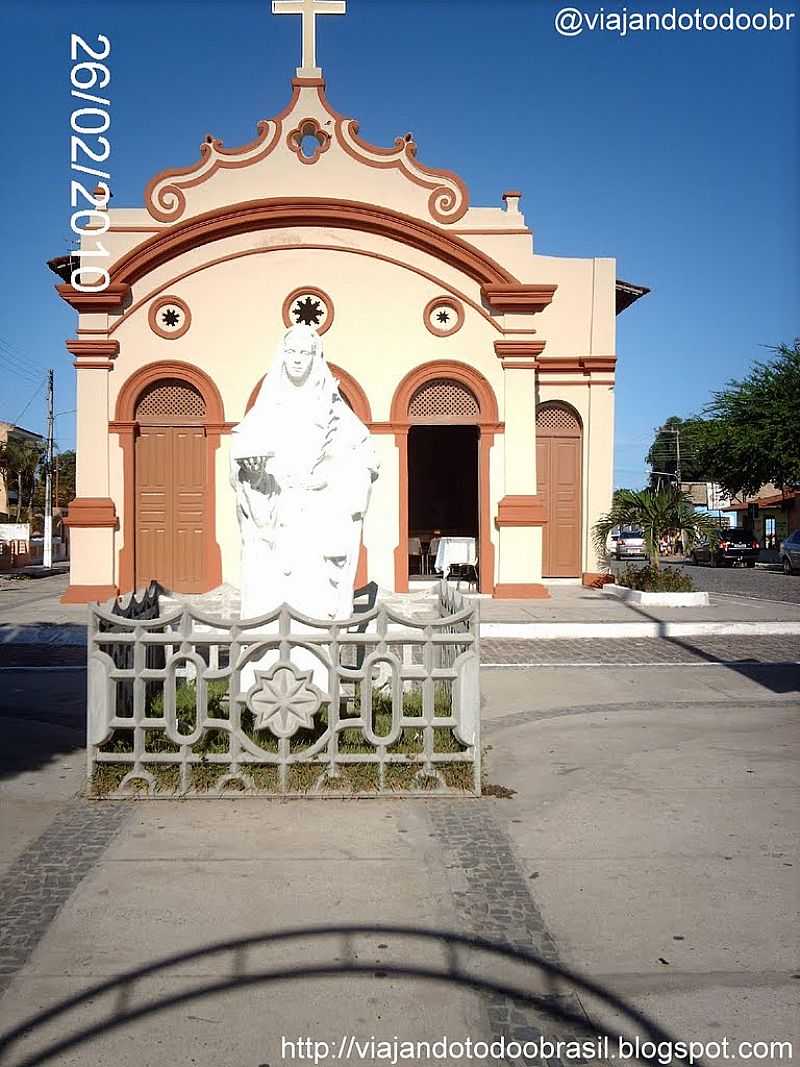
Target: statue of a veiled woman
(302,466)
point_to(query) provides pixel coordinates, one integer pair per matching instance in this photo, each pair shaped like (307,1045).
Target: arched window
(443,398)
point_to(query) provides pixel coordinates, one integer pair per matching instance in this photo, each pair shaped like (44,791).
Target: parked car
(734,546)
(790,553)
(630,544)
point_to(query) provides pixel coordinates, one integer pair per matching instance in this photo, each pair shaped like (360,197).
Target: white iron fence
(190,704)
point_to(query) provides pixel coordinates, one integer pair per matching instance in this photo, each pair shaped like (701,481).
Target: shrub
(650,580)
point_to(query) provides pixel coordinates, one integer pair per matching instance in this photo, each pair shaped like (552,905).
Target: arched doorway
(169,420)
(444,415)
(170,486)
(559,440)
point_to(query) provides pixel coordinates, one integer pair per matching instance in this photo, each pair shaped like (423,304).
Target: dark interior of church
(442,487)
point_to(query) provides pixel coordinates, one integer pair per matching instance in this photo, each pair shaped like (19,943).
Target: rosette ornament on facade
(284,699)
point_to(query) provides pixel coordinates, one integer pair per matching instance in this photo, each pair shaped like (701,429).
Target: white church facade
(484,371)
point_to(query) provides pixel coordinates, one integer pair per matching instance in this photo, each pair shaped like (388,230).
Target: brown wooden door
(558,476)
(171,513)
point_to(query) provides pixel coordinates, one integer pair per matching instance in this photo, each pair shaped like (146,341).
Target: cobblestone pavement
(646,650)
(497,904)
(757,582)
(40,880)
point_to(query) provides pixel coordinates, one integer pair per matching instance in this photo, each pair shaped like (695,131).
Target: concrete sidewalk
(30,613)
(651,843)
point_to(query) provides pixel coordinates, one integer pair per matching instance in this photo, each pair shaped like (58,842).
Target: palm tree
(19,462)
(656,512)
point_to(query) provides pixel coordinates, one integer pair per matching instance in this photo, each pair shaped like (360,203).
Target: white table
(452,550)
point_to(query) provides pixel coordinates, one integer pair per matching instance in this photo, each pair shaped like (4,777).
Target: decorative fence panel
(187,703)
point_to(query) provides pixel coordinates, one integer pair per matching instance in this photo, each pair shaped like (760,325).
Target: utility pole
(678,456)
(48,484)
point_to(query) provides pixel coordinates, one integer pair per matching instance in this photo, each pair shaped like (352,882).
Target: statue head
(301,346)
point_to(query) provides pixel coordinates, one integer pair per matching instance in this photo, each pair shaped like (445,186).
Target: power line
(20,372)
(38,390)
(19,354)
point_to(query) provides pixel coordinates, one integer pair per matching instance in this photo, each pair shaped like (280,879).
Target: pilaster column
(92,517)
(520,512)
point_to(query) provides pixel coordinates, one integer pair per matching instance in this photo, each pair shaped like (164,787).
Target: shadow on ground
(42,716)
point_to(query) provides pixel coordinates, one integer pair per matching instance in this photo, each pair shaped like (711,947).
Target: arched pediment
(305,148)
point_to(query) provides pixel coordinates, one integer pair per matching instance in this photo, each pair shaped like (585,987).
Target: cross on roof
(309,9)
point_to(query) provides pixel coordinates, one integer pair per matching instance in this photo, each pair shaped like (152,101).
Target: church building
(484,371)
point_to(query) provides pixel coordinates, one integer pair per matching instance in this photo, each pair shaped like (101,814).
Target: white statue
(302,466)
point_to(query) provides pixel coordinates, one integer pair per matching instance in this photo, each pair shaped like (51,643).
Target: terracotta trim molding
(577,364)
(111,298)
(487,423)
(521,591)
(163,195)
(596,579)
(521,511)
(524,349)
(438,282)
(88,594)
(133,229)
(349,387)
(155,326)
(320,294)
(308,128)
(445,368)
(584,383)
(92,512)
(402,426)
(492,233)
(99,352)
(443,301)
(125,408)
(281,212)
(517,296)
(515,364)
(447,203)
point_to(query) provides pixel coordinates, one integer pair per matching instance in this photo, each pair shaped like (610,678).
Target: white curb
(549,631)
(656,600)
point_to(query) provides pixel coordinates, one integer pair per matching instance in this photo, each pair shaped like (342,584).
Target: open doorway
(442,491)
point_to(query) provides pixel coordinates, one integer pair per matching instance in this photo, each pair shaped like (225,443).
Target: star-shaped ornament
(308,311)
(284,699)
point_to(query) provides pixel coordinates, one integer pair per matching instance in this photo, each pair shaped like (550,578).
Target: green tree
(657,512)
(64,479)
(676,437)
(19,464)
(751,433)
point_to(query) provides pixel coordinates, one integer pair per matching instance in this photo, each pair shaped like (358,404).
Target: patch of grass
(167,776)
(399,777)
(457,775)
(428,782)
(120,741)
(265,777)
(650,580)
(361,777)
(302,777)
(204,776)
(106,778)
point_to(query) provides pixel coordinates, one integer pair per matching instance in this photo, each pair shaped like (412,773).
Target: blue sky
(675,152)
